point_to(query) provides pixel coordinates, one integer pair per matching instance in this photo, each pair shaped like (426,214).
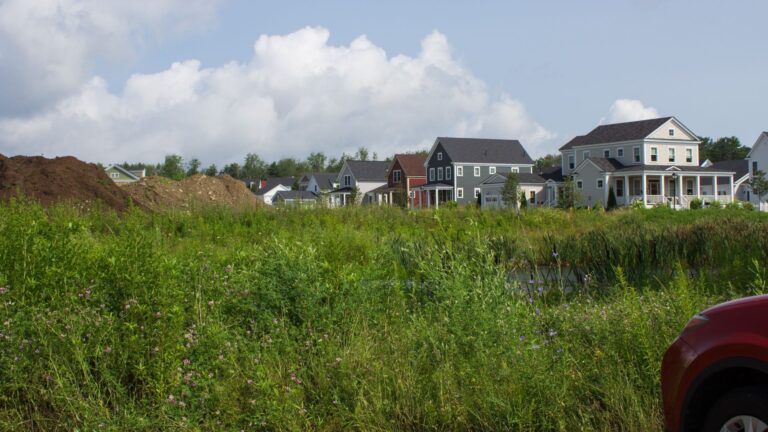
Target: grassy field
(355,319)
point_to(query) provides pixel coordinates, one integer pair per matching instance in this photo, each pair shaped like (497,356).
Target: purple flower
(522,338)
(3,290)
(554,254)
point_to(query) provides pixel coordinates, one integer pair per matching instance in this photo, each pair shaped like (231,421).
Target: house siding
(590,194)
(469,182)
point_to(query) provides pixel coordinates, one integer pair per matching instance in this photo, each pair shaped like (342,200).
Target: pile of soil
(51,181)
(197,191)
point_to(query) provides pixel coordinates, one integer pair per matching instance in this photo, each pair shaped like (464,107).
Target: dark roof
(617,132)
(482,150)
(325,180)
(295,195)
(343,190)
(740,166)
(412,164)
(552,173)
(273,182)
(694,168)
(522,178)
(369,170)
(606,164)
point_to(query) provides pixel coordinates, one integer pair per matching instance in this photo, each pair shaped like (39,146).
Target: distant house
(456,167)
(318,183)
(269,187)
(358,177)
(405,174)
(758,161)
(740,168)
(294,197)
(654,162)
(120,175)
(540,190)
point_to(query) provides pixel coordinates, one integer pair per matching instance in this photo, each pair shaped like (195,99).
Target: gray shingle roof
(606,164)
(522,178)
(273,182)
(482,150)
(369,170)
(617,132)
(740,166)
(325,180)
(295,195)
(552,173)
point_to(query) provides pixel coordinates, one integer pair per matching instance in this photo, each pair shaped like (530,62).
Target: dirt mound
(193,192)
(56,180)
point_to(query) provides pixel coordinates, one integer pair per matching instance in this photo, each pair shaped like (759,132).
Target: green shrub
(696,204)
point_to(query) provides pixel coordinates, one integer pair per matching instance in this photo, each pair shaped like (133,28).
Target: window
(607,153)
(584,155)
(396,176)
(619,188)
(431,174)
(439,155)
(477,171)
(459,171)
(532,197)
(447,173)
(654,154)
(689,155)
(440,174)
(671,132)
(671,155)
(477,192)
(515,169)
(347,180)
(689,187)
(571,162)
(620,152)
(114,175)
(636,153)
(579,184)
(459,192)
(492,170)
(599,183)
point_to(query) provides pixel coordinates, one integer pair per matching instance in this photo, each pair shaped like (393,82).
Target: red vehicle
(714,377)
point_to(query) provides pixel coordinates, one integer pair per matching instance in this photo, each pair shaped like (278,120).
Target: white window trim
(492,170)
(347,180)
(459,171)
(571,161)
(477,171)
(651,155)
(515,170)
(687,152)
(579,184)
(671,154)
(620,152)
(585,154)
(439,156)
(114,175)
(599,183)
(440,174)
(477,192)
(606,151)
(447,173)
(671,132)
(397,176)
(637,156)
(431,174)
(459,192)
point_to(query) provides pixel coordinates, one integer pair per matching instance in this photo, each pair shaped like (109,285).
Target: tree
(316,161)
(233,170)
(568,197)
(194,167)
(509,192)
(546,161)
(725,148)
(523,201)
(611,199)
(211,170)
(362,154)
(354,196)
(173,167)
(253,167)
(758,184)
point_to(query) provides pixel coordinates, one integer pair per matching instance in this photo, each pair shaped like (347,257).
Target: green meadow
(355,318)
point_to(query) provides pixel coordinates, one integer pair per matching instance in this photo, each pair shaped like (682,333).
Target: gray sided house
(121,175)
(358,177)
(318,183)
(457,167)
(540,190)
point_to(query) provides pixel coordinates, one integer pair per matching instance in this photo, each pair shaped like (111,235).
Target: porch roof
(435,186)
(669,169)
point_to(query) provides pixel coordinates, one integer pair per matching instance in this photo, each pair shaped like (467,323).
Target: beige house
(654,162)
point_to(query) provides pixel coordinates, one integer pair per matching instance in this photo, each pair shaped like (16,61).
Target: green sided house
(120,175)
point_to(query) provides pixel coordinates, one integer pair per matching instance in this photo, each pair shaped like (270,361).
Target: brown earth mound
(193,192)
(57,180)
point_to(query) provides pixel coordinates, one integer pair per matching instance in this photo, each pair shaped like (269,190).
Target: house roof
(412,164)
(483,150)
(606,164)
(522,178)
(617,132)
(552,173)
(124,171)
(325,180)
(274,182)
(739,166)
(295,195)
(369,170)
(684,168)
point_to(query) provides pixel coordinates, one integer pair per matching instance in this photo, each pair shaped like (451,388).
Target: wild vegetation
(364,319)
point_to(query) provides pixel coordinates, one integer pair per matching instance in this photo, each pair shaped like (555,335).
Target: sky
(111,81)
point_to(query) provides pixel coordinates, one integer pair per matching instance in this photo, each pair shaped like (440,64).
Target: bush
(716,204)
(696,204)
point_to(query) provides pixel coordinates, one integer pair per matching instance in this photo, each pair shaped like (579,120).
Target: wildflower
(171,400)
(522,338)
(182,404)
(186,362)
(210,302)
(552,333)
(338,360)
(157,314)
(3,290)
(249,381)
(107,350)
(554,254)
(228,269)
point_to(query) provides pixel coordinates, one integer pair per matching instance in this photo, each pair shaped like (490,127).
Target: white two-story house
(652,161)
(357,178)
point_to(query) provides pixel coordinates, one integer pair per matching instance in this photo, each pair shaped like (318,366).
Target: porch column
(606,186)
(626,190)
(429,199)
(698,186)
(437,198)
(662,188)
(731,179)
(714,185)
(645,186)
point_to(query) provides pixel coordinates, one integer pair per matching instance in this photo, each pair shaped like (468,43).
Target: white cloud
(47,47)
(625,110)
(296,95)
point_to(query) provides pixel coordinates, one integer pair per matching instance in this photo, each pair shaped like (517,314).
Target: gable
(679,130)
(433,154)
(762,142)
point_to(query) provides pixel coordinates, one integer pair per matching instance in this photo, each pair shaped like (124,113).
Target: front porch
(435,194)
(676,189)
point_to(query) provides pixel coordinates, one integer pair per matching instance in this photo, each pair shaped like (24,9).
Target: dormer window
(114,175)
(671,132)
(606,153)
(439,155)
(585,155)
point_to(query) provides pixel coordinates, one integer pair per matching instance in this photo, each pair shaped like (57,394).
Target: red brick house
(406,172)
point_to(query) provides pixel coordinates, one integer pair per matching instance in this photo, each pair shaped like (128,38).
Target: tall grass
(370,319)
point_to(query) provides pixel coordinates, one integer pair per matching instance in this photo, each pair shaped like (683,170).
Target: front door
(653,187)
(619,188)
